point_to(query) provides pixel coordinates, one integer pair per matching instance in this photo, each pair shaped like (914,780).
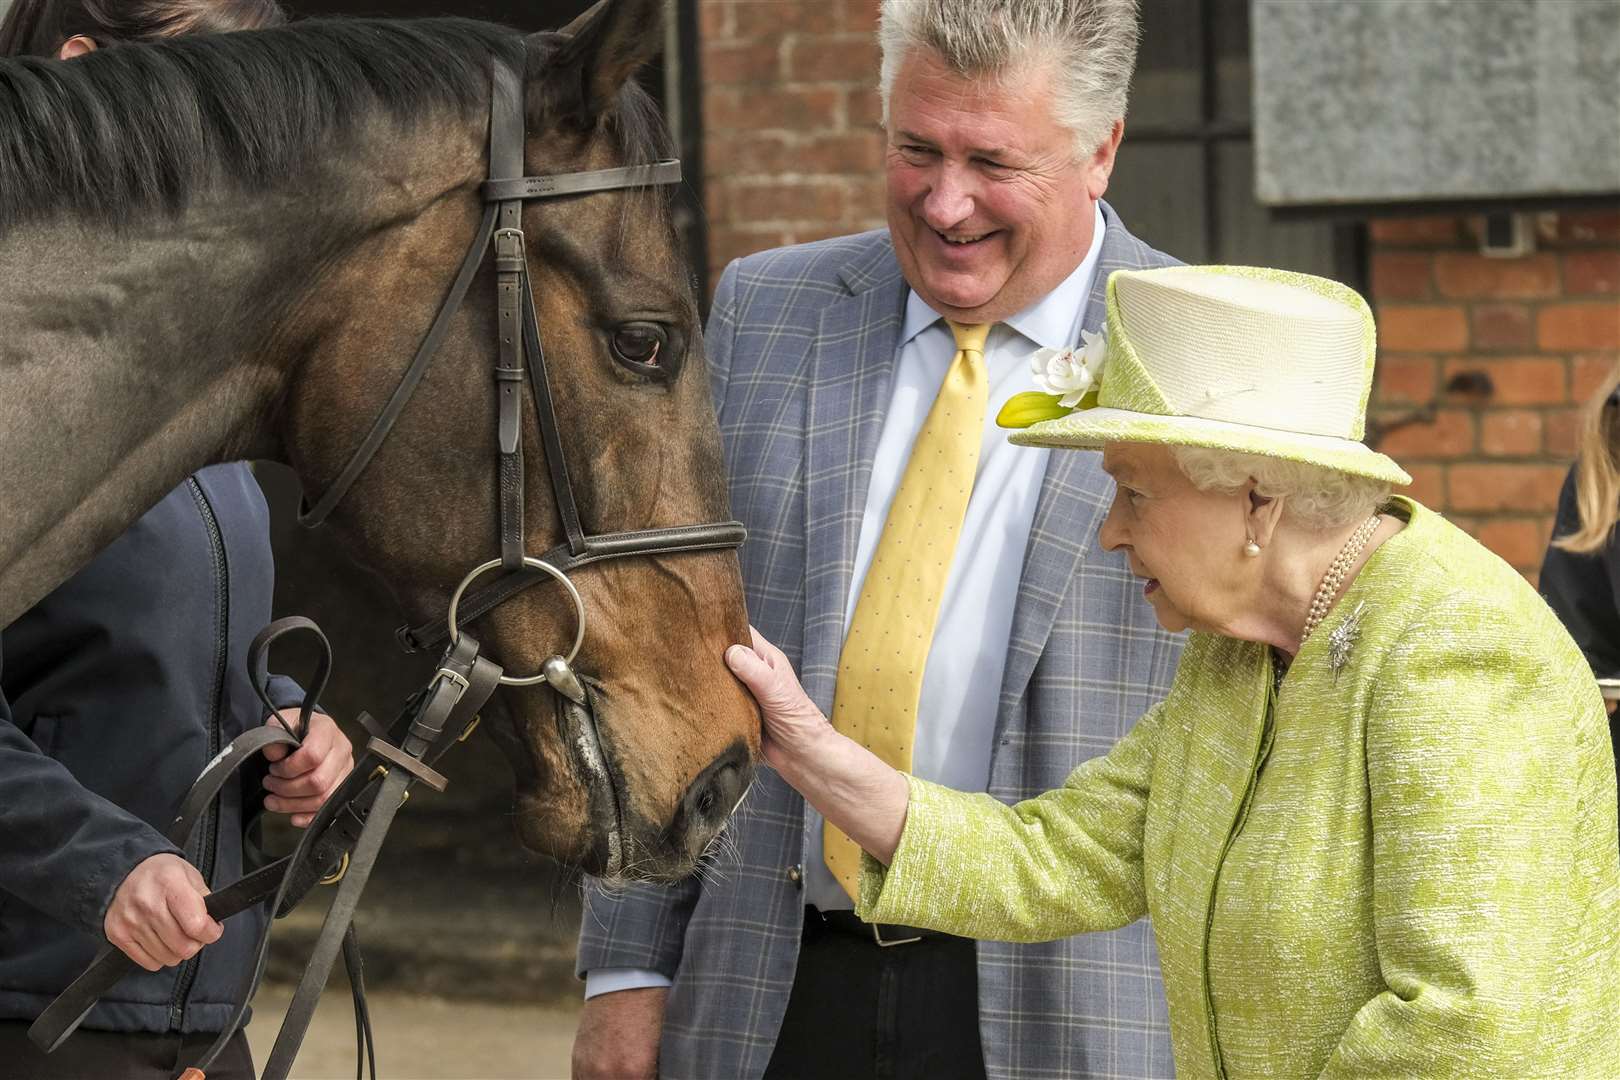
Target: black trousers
(118,1055)
(860,1011)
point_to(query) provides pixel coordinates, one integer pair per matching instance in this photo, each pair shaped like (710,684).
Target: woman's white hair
(1089,45)
(1315,497)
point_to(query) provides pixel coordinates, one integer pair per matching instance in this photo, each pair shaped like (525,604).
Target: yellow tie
(880,672)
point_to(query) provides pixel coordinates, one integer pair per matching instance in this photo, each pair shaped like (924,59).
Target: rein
(340,845)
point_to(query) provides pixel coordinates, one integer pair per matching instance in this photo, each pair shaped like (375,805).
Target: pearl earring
(1251,549)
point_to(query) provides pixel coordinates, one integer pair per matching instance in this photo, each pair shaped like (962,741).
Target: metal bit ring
(535,564)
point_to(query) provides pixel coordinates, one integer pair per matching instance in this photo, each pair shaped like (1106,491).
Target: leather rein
(340,846)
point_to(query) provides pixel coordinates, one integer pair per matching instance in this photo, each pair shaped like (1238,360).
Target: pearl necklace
(1329,589)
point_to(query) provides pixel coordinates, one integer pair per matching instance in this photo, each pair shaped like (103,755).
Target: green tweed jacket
(1403,867)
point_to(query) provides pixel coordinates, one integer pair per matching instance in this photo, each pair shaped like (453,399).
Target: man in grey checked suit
(823,359)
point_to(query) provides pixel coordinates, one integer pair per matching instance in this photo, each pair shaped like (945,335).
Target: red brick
(1521,542)
(771,18)
(1590,228)
(1591,272)
(1517,380)
(1592,375)
(715,20)
(1510,433)
(1422,328)
(785,201)
(859,16)
(865,110)
(1449,435)
(1579,326)
(731,62)
(727,242)
(1518,488)
(833,58)
(1462,276)
(1428,485)
(1405,380)
(1501,326)
(1400,275)
(1563,429)
(1415,232)
(792,109)
(777,155)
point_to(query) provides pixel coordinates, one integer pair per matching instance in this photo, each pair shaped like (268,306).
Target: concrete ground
(423,1038)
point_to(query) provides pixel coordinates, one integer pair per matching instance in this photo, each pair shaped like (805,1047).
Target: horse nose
(713,796)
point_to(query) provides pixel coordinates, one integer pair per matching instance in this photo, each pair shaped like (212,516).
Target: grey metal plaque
(1377,101)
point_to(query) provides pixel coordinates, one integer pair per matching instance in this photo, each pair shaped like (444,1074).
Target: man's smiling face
(989,206)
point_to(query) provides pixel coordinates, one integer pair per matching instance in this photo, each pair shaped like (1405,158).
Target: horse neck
(131,357)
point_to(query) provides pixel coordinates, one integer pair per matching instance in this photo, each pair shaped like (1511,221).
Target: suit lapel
(851,376)
(1074,500)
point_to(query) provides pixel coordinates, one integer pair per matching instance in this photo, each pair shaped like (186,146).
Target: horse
(228,247)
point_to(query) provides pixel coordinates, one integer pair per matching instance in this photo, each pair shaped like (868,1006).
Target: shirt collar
(1052,322)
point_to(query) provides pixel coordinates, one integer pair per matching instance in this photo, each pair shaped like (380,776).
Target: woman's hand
(793,724)
(851,786)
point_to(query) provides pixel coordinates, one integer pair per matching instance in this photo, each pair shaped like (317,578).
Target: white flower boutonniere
(1068,380)
(1071,374)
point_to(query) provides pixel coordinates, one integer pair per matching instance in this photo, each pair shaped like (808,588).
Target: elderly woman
(1374,820)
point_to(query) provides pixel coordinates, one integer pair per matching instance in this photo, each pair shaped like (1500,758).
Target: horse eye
(639,344)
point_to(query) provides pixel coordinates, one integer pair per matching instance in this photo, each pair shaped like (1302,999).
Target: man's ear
(575,75)
(77,45)
(1100,166)
(1263,515)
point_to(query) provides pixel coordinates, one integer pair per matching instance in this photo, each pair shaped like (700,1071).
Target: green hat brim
(1091,429)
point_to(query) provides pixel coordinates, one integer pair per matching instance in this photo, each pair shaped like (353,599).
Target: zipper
(209,832)
(1261,753)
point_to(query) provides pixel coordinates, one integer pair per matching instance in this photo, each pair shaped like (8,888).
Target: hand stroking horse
(231,247)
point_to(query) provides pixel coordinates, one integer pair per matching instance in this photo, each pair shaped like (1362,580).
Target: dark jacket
(121,685)
(1585,589)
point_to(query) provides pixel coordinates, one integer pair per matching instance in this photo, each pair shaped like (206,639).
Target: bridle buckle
(509,257)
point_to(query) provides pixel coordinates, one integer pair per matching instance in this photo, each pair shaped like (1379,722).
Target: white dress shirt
(961,688)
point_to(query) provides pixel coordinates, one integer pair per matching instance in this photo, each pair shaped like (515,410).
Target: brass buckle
(877,937)
(337,875)
(382,770)
(471,727)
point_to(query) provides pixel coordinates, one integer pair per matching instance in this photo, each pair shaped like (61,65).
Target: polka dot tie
(880,672)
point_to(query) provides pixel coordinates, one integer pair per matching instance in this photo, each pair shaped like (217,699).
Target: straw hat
(1229,357)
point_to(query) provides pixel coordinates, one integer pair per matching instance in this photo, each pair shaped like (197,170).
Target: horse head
(637,780)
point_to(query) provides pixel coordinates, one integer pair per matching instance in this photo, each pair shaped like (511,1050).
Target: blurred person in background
(116,690)
(1580,576)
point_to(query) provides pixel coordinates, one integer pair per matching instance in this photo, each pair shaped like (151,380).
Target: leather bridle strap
(676,540)
(506,162)
(311,516)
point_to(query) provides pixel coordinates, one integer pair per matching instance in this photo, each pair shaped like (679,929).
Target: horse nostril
(716,790)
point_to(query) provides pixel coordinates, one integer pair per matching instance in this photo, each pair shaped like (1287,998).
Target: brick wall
(792,146)
(1544,330)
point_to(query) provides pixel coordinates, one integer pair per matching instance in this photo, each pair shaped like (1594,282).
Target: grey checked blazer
(801,345)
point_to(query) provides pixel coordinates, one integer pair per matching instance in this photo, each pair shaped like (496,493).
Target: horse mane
(144,128)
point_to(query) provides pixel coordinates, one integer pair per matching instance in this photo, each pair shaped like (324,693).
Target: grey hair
(1090,46)
(1316,497)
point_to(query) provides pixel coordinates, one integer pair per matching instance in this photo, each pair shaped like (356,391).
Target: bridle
(521,359)
(340,846)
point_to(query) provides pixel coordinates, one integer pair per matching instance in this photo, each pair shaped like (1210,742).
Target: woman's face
(1187,543)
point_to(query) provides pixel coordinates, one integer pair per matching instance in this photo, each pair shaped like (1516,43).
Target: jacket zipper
(207,840)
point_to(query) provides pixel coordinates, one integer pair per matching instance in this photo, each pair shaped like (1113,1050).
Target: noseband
(520,358)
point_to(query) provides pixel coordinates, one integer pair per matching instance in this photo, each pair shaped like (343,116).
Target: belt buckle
(877,937)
